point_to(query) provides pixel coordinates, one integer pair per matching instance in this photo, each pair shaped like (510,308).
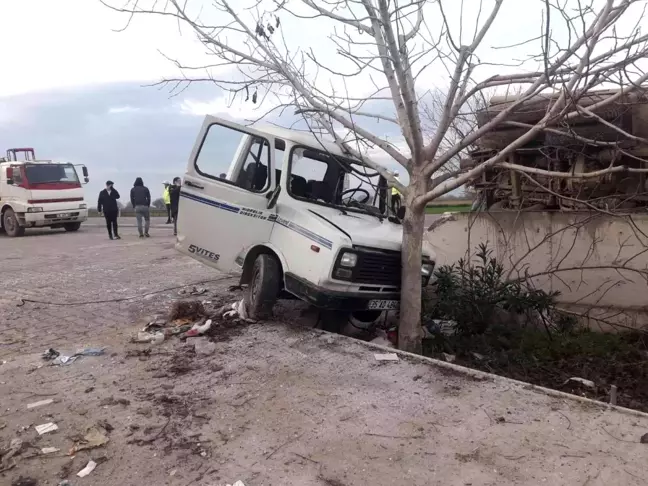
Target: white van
(298,216)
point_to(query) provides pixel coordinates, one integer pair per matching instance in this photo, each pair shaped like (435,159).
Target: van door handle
(193,184)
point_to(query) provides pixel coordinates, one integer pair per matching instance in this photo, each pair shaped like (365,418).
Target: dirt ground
(276,403)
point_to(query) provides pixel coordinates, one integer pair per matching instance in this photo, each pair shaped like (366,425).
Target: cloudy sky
(74,88)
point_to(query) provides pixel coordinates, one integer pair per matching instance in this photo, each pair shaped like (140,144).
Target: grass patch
(458,208)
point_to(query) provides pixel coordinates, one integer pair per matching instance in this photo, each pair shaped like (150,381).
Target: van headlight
(83,206)
(427,269)
(35,209)
(348,260)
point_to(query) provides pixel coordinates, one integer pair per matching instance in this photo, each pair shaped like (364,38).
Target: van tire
(11,225)
(72,226)
(264,287)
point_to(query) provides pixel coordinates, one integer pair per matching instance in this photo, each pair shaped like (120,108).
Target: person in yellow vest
(395,195)
(167,200)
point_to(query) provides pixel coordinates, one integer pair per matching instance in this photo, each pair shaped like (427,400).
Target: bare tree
(399,48)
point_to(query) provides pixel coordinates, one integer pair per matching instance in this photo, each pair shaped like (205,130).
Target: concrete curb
(490,376)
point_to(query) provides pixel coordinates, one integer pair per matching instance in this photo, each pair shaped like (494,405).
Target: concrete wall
(598,262)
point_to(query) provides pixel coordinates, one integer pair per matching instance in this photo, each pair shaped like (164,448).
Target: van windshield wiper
(370,210)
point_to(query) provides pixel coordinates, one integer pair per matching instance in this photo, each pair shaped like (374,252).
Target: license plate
(383,305)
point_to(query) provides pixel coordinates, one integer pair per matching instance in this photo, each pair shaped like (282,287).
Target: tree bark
(409,328)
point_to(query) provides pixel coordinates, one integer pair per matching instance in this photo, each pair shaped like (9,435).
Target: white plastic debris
(582,381)
(64,360)
(46,428)
(40,404)
(204,347)
(237,483)
(148,337)
(87,470)
(49,450)
(386,357)
(238,311)
(450,358)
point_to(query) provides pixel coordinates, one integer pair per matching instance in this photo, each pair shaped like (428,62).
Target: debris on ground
(24,482)
(582,381)
(198,329)
(92,439)
(49,450)
(203,346)
(192,291)
(46,428)
(110,401)
(382,339)
(148,337)
(6,454)
(91,352)
(644,439)
(439,327)
(64,360)
(40,404)
(237,483)
(50,354)
(235,310)
(187,309)
(386,357)
(87,470)
(450,358)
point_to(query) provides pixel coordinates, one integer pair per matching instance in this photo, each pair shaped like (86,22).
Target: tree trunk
(409,328)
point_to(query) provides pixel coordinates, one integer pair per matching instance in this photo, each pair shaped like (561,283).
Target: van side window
(219,158)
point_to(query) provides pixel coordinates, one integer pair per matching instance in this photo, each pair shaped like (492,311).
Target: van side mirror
(10,175)
(84,169)
(273,196)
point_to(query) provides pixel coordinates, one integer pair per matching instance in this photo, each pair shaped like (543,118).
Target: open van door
(224,201)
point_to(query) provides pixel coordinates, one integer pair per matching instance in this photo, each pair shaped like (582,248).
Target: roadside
(271,403)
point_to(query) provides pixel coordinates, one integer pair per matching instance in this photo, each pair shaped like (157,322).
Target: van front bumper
(324,298)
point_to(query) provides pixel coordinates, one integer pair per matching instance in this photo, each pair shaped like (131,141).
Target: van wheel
(11,225)
(72,226)
(264,287)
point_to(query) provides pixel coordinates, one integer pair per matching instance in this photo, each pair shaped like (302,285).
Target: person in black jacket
(107,204)
(174,194)
(140,198)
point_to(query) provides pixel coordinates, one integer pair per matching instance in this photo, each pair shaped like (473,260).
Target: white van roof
(303,138)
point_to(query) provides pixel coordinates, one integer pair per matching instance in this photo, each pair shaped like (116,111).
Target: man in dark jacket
(140,198)
(174,194)
(107,204)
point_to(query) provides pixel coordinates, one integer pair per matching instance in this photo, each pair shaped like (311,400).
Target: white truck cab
(296,215)
(39,193)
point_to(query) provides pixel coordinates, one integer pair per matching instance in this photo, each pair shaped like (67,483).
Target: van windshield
(327,179)
(50,173)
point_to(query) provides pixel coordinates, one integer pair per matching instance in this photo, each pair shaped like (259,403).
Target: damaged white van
(299,217)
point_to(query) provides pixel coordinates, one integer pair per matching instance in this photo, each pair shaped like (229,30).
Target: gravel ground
(275,403)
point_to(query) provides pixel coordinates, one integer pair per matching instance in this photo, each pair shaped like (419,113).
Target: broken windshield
(323,178)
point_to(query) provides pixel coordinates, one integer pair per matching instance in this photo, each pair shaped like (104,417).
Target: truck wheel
(11,225)
(264,287)
(72,226)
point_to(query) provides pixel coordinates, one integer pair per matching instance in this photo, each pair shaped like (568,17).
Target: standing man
(167,200)
(107,204)
(395,195)
(174,195)
(140,198)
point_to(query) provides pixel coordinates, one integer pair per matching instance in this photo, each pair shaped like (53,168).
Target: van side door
(224,198)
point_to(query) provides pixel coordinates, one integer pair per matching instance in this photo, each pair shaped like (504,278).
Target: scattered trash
(114,401)
(91,440)
(235,310)
(173,473)
(50,354)
(65,483)
(87,470)
(479,357)
(644,439)
(49,450)
(386,357)
(46,428)
(582,381)
(192,291)
(147,337)
(382,339)
(104,424)
(450,358)
(91,352)
(64,360)
(237,483)
(439,326)
(204,347)
(24,482)
(40,404)
(6,455)
(198,329)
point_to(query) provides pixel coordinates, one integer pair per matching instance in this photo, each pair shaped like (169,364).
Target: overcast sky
(72,87)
